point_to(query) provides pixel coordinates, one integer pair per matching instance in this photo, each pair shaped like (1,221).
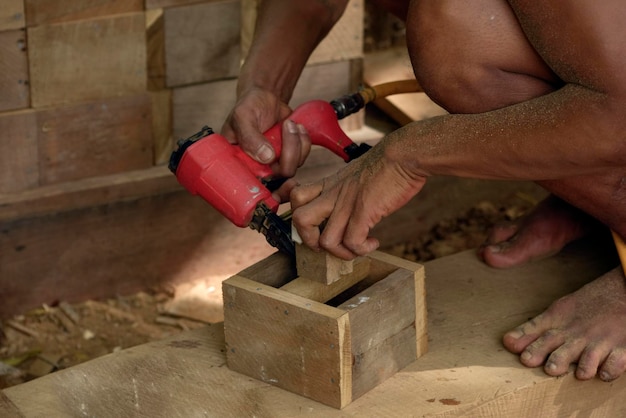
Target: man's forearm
(573,131)
(286,33)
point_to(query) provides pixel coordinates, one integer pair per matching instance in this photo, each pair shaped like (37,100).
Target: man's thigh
(474,48)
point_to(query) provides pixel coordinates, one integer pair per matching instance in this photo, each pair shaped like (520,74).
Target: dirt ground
(56,337)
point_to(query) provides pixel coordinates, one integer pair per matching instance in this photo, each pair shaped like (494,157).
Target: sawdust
(56,337)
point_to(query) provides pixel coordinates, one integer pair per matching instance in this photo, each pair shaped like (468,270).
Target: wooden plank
(12,15)
(321,292)
(321,266)
(121,247)
(39,12)
(377,316)
(155,39)
(13,70)
(202,42)
(87,60)
(156,4)
(289,341)
(162,125)
(344,42)
(92,139)
(85,193)
(466,372)
(391,65)
(200,105)
(18,152)
(9,410)
(275,270)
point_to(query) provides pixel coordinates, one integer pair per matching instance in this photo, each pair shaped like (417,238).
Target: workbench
(466,372)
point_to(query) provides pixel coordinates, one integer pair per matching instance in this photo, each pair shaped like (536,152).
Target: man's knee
(473,58)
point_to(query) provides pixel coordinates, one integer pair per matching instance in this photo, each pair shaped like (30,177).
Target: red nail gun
(206,164)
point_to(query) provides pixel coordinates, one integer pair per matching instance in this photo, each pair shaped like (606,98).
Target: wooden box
(331,343)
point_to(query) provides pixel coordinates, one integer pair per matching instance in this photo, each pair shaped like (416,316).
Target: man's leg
(473,57)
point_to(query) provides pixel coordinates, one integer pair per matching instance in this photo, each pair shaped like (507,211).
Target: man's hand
(256,111)
(351,202)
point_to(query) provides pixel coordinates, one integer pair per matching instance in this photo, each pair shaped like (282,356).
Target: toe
(589,361)
(508,253)
(521,337)
(536,353)
(614,365)
(560,359)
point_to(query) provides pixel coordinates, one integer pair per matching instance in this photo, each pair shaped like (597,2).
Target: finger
(305,144)
(289,159)
(304,194)
(309,213)
(284,191)
(255,144)
(332,237)
(357,237)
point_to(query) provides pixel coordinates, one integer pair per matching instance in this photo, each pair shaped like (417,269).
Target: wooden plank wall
(93,95)
(71,67)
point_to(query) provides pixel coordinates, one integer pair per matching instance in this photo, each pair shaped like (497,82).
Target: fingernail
(526,355)
(605,376)
(265,154)
(517,334)
(302,129)
(551,366)
(291,127)
(494,248)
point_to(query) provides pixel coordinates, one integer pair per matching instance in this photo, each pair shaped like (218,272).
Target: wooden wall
(93,94)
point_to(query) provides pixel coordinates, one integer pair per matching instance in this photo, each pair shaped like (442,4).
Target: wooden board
(202,42)
(156,4)
(391,65)
(303,345)
(82,194)
(13,70)
(39,12)
(466,372)
(321,266)
(96,138)
(162,125)
(120,247)
(344,42)
(87,59)
(18,152)
(12,15)
(155,39)
(204,104)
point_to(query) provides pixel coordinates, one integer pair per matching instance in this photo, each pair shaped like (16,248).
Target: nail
(265,154)
(526,355)
(516,333)
(302,129)
(495,248)
(551,366)
(291,127)
(605,376)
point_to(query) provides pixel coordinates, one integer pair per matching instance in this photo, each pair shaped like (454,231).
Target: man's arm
(286,33)
(575,131)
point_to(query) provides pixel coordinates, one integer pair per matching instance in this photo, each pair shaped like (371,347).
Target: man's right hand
(255,112)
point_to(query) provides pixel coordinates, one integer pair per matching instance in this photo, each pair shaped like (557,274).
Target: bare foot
(585,327)
(544,232)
